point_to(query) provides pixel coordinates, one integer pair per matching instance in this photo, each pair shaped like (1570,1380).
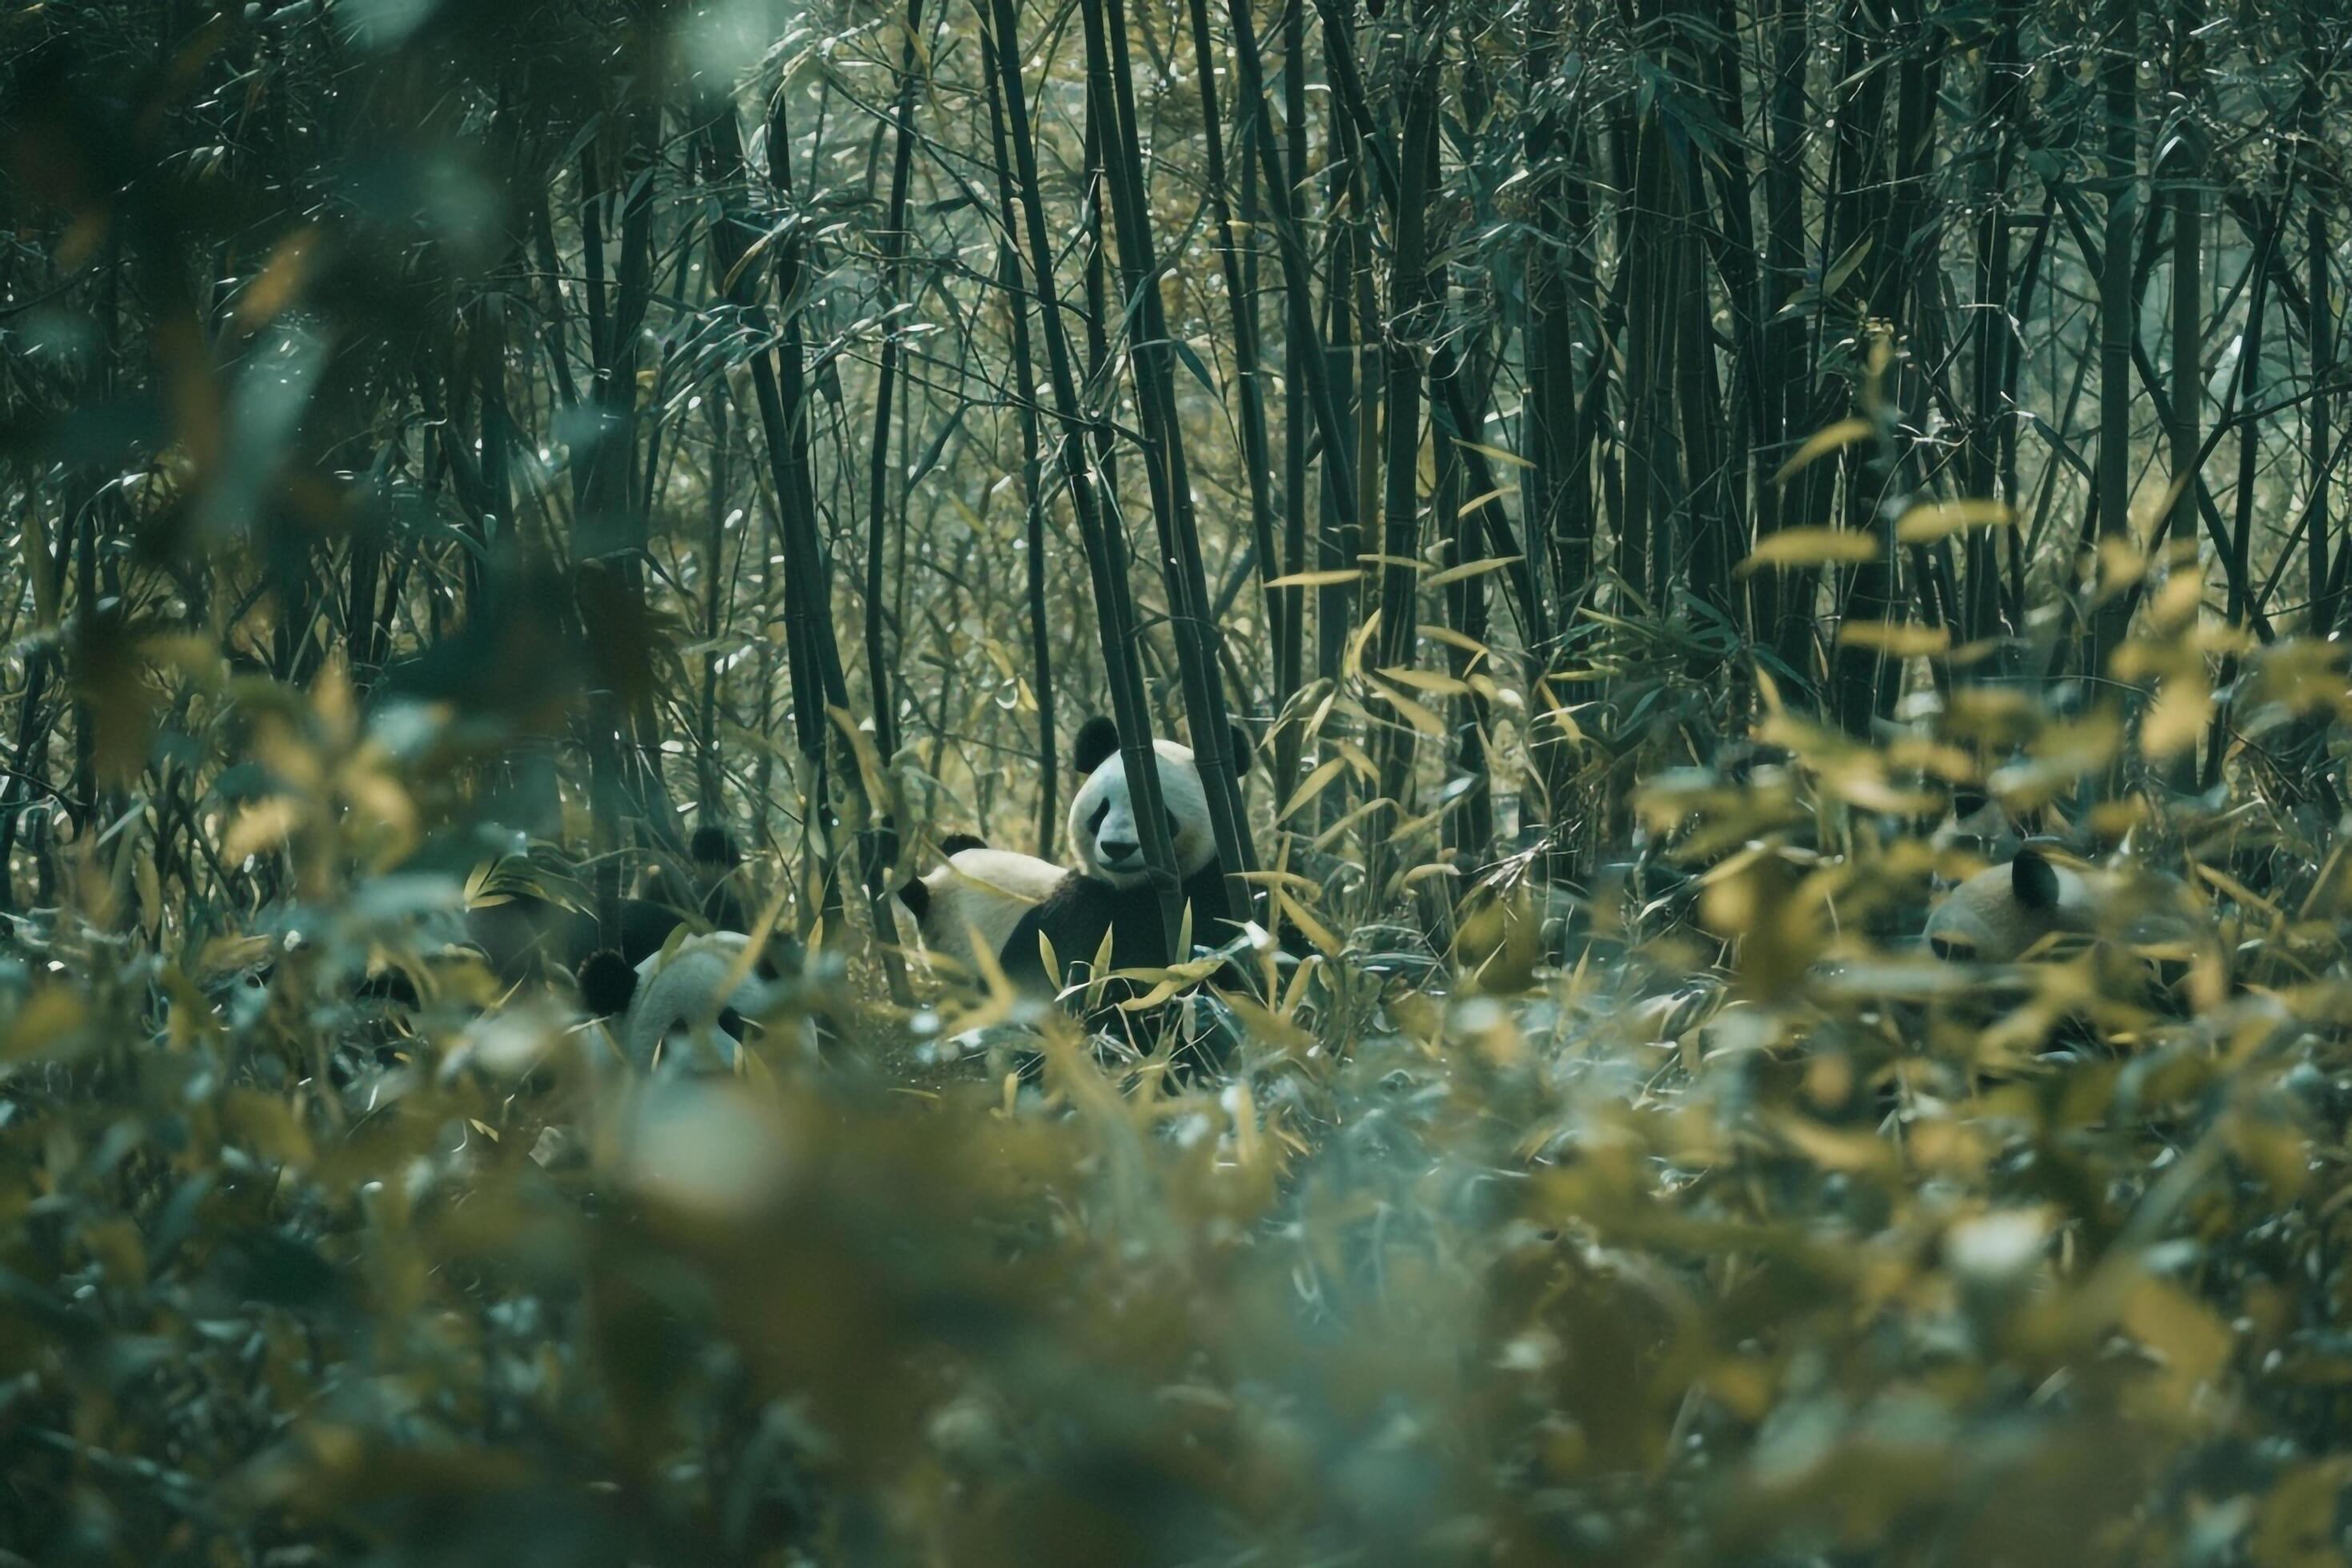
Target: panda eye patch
(1094,823)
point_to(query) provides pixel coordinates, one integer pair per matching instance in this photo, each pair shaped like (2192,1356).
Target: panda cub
(1109,889)
(669,1005)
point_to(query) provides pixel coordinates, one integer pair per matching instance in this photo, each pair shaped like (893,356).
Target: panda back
(981,891)
(678,1001)
(1004,874)
(1984,918)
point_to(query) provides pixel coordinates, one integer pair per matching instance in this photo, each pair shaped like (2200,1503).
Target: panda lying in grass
(1012,904)
(2001,912)
(2148,925)
(974,901)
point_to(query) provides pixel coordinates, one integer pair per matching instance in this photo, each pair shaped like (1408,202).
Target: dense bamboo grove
(718,333)
(1631,469)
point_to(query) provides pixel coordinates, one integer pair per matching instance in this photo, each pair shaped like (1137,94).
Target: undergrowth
(1679,1225)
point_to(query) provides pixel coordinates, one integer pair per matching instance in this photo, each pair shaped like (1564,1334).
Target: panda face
(1105,841)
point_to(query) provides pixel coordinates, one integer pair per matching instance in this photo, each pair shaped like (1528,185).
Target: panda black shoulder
(1073,917)
(1079,906)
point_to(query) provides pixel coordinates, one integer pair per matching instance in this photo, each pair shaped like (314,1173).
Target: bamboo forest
(1227,782)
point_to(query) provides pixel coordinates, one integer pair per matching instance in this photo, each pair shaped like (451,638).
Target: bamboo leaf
(1193,363)
(1316,932)
(1836,437)
(1811,547)
(1845,266)
(1414,713)
(1497,454)
(1313,784)
(1451,638)
(1900,639)
(1472,569)
(1932,520)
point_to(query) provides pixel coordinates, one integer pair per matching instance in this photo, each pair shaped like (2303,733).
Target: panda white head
(1105,839)
(2000,914)
(677,1006)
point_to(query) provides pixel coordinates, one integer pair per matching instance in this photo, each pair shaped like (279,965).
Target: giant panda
(1109,887)
(713,867)
(1999,914)
(523,932)
(980,894)
(669,1006)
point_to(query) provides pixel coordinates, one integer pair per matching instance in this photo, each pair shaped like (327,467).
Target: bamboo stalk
(1040,649)
(1105,549)
(1150,363)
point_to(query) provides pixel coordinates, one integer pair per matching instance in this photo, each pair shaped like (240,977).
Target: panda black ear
(1098,739)
(2033,880)
(607,983)
(1245,749)
(714,846)
(957,843)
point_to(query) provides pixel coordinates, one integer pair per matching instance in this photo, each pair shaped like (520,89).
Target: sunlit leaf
(1834,438)
(1931,521)
(1897,640)
(1496,454)
(1811,547)
(1470,569)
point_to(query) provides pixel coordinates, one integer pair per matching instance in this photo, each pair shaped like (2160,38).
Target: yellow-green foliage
(1822,1251)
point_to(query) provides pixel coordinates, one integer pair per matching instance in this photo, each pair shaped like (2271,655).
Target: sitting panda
(1109,888)
(979,896)
(1011,900)
(669,1005)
